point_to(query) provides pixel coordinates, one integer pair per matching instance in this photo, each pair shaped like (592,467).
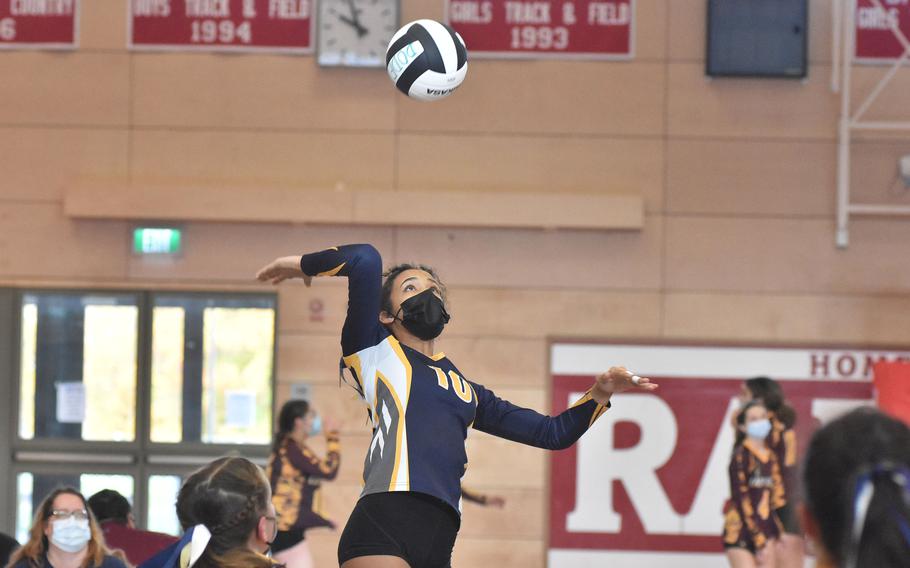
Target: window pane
(212,366)
(78,367)
(109,373)
(162,510)
(237,375)
(167,374)
(27,372)
(32,488)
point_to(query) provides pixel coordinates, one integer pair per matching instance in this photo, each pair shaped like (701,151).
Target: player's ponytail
(879,514)
(857,488)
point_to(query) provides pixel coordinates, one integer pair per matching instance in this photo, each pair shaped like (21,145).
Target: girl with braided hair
(226,510)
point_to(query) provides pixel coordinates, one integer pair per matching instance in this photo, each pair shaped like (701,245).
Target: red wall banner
(47,24)
(588,29)
(222,25)
(874,39)
(645,486)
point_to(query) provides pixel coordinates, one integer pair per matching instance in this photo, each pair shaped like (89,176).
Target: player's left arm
(502,418)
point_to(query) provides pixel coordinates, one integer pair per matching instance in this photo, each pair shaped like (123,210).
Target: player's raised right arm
(361,264)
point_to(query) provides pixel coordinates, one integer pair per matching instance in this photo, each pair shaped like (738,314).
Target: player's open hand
(620,379)
(281,269)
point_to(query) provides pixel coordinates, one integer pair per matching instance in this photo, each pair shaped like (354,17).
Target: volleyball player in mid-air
(421,406)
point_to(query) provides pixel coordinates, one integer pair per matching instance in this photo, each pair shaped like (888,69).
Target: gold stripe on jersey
(352,361)
(333,271)
(598,412)
(582,400)
(790,444)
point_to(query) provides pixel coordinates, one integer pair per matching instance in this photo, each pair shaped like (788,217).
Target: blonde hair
(34,551)
(228,496)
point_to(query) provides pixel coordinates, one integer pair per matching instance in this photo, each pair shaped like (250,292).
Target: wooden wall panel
(564,313)
(37,241)
(312,359)
(258,91)
(787,318)
(523,516)
(784,255)
(750,108)
(323,160)
(487,163)
(874,172)
(64,88)
(538,259)
(40,162)
(102,25)
(493,551)
(751,177)
(651,22)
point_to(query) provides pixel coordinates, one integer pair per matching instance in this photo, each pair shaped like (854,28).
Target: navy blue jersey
(421,407)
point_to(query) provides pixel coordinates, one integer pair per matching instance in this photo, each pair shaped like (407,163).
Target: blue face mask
(758,429)
(316,425)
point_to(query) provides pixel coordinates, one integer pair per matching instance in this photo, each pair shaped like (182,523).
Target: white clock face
(355,33)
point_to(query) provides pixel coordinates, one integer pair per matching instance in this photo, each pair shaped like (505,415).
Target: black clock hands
(354,20)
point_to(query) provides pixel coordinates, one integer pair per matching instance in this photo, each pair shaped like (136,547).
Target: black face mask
(424,315)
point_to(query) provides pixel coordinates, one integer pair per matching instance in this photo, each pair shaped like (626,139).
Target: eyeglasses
(63,514)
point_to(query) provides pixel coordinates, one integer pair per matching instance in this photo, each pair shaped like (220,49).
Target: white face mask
(758,429)
(71,535)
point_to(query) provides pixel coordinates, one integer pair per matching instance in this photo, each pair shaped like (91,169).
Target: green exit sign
(156,240)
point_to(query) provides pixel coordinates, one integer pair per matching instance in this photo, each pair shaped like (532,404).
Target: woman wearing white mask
(65,535)
(751,525)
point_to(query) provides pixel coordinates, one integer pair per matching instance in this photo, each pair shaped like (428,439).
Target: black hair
(860,450)
(392,273)
(290,411)
(109,505)
(741,419)
(772,395)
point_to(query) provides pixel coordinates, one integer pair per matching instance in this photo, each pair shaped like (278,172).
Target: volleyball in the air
(427,60)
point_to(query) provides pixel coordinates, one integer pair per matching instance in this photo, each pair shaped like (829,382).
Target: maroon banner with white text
(875,41)
(645,486)
(284,26)
(46,24)
(589,29)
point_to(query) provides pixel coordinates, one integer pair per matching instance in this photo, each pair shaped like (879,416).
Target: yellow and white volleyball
(427,60)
